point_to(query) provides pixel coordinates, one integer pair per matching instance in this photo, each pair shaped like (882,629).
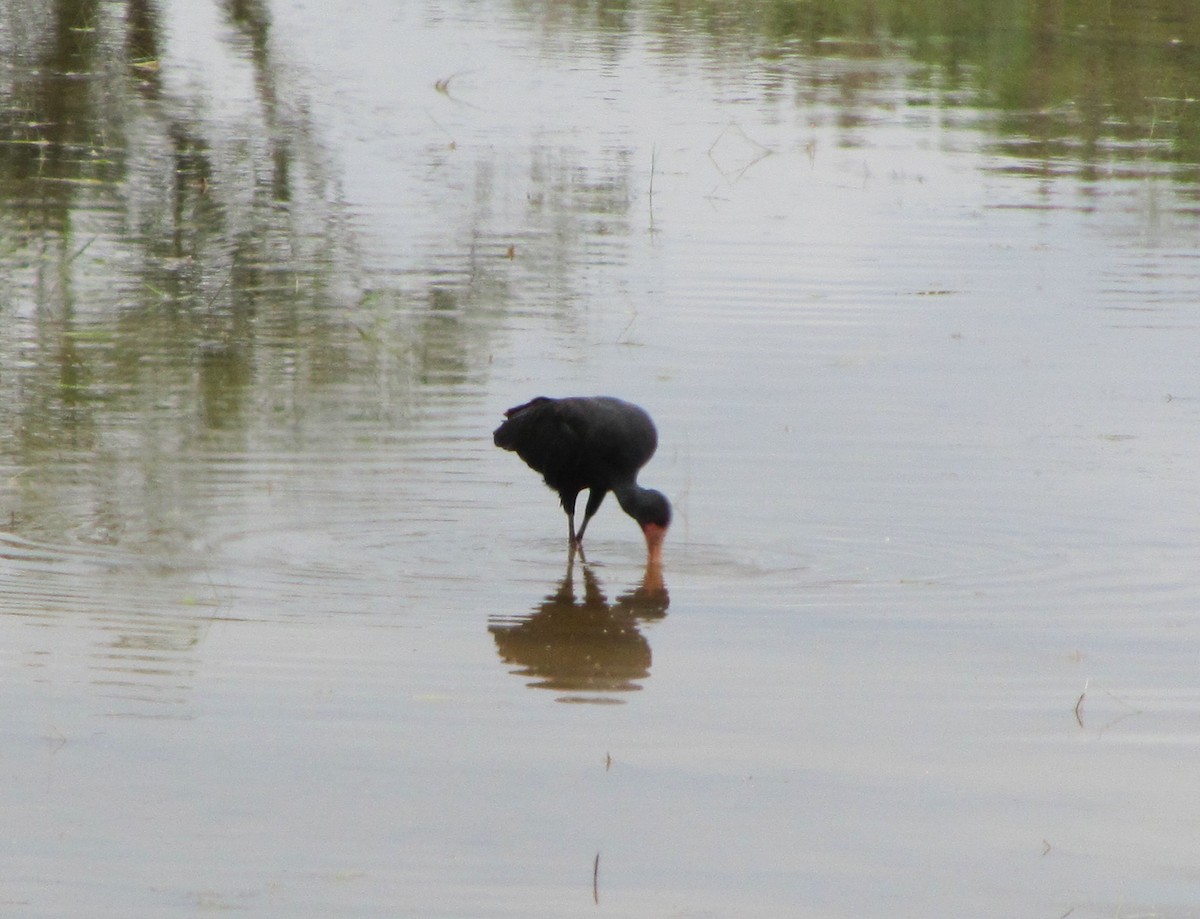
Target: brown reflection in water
(584,644)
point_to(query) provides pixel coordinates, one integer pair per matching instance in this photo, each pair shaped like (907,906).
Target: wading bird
(593,442)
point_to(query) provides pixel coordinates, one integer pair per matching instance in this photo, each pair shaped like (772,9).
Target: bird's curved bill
(654,540)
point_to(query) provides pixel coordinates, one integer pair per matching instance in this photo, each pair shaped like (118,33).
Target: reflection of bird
(598,443)
(584,644)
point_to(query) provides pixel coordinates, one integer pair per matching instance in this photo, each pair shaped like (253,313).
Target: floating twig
(443,86)
(653,159)
(757,153)
(1079,704)
(596,880)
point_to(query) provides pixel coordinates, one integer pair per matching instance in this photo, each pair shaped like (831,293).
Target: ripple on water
(125,625)
(953,573)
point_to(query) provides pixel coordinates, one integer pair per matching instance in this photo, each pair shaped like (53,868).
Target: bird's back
(580,442)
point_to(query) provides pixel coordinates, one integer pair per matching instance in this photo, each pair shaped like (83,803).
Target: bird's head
(654,516)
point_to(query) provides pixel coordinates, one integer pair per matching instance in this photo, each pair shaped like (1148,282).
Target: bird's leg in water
(568,505)
(595,497)
(576,549)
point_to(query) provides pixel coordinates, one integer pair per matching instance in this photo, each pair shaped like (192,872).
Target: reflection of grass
(144,243)
(1091,73)
(75,180)
(92,334)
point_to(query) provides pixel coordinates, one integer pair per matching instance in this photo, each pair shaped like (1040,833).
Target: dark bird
(593,442)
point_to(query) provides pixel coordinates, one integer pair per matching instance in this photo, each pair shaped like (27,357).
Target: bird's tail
(508,435)
(503,437)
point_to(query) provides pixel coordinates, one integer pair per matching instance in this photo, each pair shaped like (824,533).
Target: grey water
(912,294)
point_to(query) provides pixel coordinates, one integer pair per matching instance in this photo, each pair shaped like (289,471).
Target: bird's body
(596,443)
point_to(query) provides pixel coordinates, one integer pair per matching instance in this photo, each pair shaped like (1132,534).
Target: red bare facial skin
(654,540)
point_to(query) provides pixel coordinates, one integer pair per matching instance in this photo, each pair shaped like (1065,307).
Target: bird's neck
(629,496)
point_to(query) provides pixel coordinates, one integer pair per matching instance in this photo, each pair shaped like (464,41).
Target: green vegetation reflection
(1071,87)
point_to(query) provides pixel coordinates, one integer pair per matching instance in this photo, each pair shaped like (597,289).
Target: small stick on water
(596,880)
(653,158)
(213,298)
(1079,704)
(82,249)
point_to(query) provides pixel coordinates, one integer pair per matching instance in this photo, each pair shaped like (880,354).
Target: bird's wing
(546,434)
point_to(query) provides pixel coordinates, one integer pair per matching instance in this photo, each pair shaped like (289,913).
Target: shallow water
(913,303)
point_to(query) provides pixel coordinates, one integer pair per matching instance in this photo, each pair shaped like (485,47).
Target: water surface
(911,294)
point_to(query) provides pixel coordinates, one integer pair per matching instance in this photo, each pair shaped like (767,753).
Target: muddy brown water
(914,305)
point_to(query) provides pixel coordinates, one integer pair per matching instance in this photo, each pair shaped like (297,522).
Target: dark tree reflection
(159,265)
